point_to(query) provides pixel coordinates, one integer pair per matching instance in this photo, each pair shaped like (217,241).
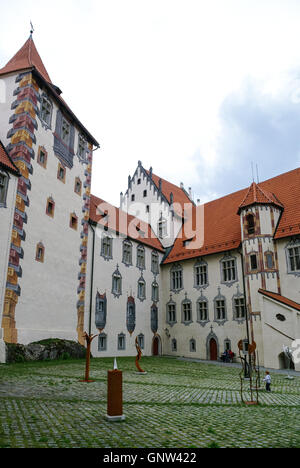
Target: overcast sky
(196,89)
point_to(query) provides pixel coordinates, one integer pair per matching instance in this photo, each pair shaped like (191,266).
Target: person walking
(267,379)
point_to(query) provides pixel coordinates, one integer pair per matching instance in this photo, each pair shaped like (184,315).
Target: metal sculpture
(250,370)
(138,358)
(289,356)
(89,339)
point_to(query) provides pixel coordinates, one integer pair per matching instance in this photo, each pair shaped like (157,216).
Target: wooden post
(115,396)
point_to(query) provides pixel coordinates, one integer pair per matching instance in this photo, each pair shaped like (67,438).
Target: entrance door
(156,346)
(213,350)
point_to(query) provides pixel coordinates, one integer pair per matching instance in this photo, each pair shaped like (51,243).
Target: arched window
(174,345)
(192,346)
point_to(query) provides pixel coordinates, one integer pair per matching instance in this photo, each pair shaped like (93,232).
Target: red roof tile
(279,298)
(121,222)
(222,229)
(6,161)
(26,57)
(180,197)
(257,196)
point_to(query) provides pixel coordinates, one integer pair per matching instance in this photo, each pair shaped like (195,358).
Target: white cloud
(147,78)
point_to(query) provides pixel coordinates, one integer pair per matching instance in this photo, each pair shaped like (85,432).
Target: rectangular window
(3,188)
(201,275)
(50,208)
(46,109)
(127,253)
(102,343)
(240,310)
(141,257)
(61,173)
(202,311)
(73,222)
(117,285)
(81,147)
(171,313)
(155,263)
(162,229)
(121,342)
(229,272)
(253,262)
(107,247)
(141,290)
(294,257)
(220,310)
(187,312)
(65,132)
(177,280)
(155,292)
(269,261)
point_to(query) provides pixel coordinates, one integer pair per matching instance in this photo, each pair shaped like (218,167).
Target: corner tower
(260,212)
(45,285)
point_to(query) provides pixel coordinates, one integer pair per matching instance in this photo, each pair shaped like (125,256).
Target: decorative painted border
(20,150)
(84,243)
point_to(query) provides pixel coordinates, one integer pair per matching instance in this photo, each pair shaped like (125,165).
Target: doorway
(213,350)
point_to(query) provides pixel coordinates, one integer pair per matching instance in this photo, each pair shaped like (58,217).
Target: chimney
(182,185)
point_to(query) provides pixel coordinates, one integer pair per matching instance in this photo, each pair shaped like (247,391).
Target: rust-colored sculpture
(138,358)
(250,370)
(88,339)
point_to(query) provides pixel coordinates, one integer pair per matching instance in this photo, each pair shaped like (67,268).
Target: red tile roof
(222,229)
(180,197)
(6,161)
(121,222)
(279,298)
(26,57)
(258,196)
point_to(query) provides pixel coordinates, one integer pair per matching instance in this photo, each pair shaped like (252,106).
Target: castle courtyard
(177,404)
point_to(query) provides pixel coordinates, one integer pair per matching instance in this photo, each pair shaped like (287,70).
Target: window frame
(4,189)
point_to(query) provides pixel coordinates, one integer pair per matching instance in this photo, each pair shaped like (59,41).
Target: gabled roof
(281,299)
(6,162)
(222,228)
(27,57)
(256,195)
(122,223)
(180,197)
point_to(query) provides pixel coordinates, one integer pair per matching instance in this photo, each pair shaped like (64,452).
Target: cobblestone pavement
(177,404)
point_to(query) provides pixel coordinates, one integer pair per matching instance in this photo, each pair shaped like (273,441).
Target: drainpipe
(247,314)
(92,278)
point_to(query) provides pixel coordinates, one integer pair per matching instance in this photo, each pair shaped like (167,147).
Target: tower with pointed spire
(53,152)
(259,212)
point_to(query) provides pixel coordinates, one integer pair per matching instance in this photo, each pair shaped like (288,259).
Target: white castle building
(185,279)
